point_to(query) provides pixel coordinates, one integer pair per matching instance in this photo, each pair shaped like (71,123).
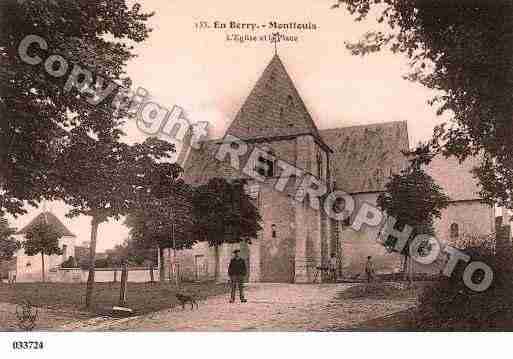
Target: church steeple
(273,108)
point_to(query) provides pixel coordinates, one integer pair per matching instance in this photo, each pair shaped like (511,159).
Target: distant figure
(369,269)
(237,272)
(333,268)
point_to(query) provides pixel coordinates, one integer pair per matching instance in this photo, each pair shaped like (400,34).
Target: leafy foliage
(464,50)
(224,213)
(414,199)
(37,114)
(42,238)
(133,253)
(449,304)
(8,245)
(104,178)
(164,217)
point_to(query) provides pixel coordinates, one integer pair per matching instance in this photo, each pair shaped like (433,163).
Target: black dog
(185,298)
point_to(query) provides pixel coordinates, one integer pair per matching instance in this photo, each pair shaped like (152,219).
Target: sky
(210,77)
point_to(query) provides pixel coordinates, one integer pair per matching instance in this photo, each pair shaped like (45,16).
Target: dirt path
(270,307)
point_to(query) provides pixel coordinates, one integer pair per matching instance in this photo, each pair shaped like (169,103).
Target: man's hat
(236,251)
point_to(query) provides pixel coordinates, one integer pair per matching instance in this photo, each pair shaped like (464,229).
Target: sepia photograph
(337,168)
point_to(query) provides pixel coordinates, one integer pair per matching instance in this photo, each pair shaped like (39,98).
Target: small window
(252,191)
(339,205)
(455,230)
(265,166)
(273,228)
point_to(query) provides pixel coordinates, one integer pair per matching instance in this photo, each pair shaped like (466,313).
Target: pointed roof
(273,108)
(51,219)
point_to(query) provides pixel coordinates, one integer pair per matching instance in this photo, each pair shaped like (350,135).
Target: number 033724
(21,345)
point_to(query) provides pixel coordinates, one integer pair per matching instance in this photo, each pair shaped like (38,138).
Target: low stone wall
(78,275)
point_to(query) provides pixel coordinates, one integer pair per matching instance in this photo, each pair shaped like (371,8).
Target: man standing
(237,272)
(369,269)
(333,268)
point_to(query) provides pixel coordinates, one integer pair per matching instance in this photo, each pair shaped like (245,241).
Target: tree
(37,112)
(59,141)
(103,178)
(463,50)
(224,213)
(414,199)
(8,245)
(42,239)
(131,252)
(163,217)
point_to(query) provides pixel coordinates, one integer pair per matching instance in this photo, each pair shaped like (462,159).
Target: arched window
(455,230)
(265,165)
(320,172)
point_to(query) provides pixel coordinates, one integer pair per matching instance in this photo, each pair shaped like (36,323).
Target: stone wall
(199,262)
(355,246)
(307,220)
(277,250)
(78,275)
(472,217)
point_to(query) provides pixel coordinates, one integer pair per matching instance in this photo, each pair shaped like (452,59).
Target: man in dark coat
(237,272)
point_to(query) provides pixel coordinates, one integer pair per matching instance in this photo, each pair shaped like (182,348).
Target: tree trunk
(43,266)
(410,279)
(217,264)
(162,269)
(92,258)
(176,269)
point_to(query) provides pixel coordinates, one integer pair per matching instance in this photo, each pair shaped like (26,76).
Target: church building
(296,238)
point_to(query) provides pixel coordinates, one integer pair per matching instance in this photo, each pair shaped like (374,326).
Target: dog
(186,298)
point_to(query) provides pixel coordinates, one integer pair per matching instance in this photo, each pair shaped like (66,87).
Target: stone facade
(295,238)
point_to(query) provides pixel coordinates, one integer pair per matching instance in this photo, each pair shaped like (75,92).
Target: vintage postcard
(255,166)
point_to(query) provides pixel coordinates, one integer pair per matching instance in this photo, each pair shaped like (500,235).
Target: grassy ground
(380,290)
(389,292)
(401,321)
(490,311)
(141,297)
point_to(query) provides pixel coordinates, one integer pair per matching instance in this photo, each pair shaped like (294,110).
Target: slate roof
(273,108)
(51,219)
(454,177)
(365,156)
(202,165)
